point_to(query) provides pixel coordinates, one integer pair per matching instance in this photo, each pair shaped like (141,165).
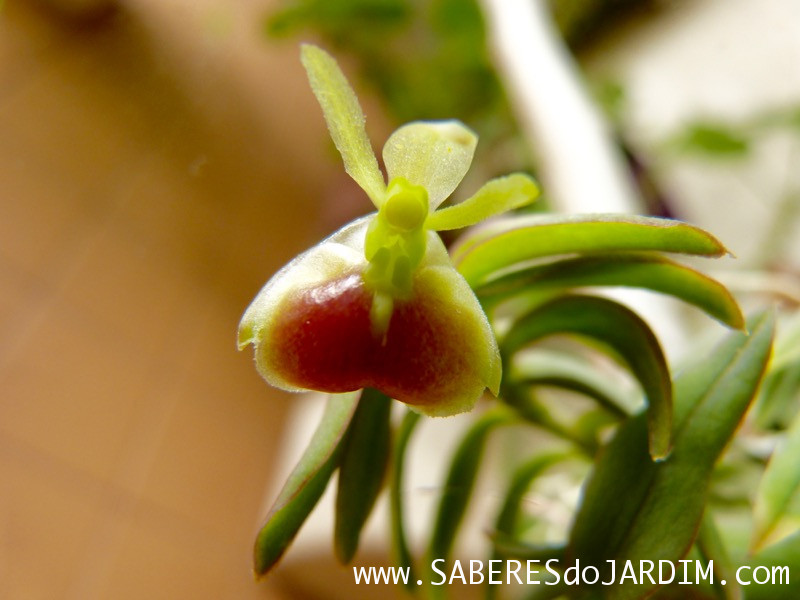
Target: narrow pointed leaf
(433,154)
(402,553)
(305,485)
(635,509)
(495,197)
(497,246)
(780,482)
(616,327)
(345,120)
(506,521)
(460,481)
(365,457)
(648,271)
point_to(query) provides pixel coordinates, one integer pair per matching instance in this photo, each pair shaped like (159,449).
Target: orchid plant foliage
(379,304)
(382,311)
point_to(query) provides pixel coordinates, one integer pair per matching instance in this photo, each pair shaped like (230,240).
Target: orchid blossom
(378,303)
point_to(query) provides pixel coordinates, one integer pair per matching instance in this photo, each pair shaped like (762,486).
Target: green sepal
(345,120)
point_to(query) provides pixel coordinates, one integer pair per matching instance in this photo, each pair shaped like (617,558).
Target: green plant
(380,310)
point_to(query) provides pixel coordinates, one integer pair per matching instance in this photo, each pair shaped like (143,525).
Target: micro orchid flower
(378,303)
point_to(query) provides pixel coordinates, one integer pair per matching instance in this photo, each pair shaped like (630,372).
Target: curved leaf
(496,196)
(345,120)
(497,246)
(649,271)
(614,326)
(305,485)
(559,369)
(365,457)
(635,509)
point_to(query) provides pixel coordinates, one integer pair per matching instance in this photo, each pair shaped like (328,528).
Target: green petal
(435,155)
(496,196)
(345,120)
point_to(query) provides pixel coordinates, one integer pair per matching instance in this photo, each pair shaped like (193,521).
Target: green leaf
(365,457)
(778,561)
(434,154)
(496,196)
(345,120)
(305,485)
(616,327)
(559,369)
(779,484)
(649,271)
(506,521)
(402,554)
(497,246)
(635,509)
(712,139)
(460,481)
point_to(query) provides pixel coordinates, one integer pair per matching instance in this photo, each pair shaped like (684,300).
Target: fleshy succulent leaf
(362,466)
(345,120)
(628,497)
(305,485)
(433,154)
(496,247)
(495,197)
(615,326)
(648,271)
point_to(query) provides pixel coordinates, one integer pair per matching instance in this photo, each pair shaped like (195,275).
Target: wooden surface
(157,165)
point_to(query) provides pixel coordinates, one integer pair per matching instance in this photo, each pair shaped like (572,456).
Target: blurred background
(159,160)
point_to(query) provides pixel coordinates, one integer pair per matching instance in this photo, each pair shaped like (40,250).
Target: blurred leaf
(402,554)
(559,369)
(305,485)
(365,457)
(779,484)
(649,271)
(712,139)
(460,481)
(778,402)
(492,247)
(634,509)
(713,552)
(779,561)
(618,328)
